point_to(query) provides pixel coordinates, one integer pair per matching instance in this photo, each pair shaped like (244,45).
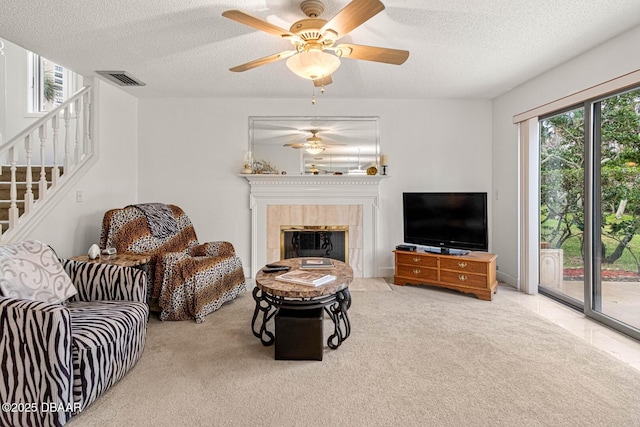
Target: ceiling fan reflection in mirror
(313,144)
(316,56)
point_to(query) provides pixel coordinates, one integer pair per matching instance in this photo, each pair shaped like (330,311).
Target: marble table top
(267,281)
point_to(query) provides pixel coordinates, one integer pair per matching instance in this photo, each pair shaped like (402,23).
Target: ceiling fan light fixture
(314,150)
(313,64)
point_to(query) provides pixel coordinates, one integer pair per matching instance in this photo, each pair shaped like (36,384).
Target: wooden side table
(122,260)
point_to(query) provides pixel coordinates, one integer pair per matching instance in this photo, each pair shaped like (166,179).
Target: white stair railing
(76,116)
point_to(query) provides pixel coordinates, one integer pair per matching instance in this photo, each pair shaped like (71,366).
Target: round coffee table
(271,295)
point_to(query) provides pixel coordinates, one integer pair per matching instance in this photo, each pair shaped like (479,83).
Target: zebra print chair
(58,358)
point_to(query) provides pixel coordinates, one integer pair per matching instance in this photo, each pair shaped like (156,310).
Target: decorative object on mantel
(247,165)
(384,162)
(372,170)
(314,37)
(264,167)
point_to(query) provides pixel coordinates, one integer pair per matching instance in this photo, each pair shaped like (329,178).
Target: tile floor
(615,343)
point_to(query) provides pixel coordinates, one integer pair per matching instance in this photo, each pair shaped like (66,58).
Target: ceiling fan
(313,38)
(313,144)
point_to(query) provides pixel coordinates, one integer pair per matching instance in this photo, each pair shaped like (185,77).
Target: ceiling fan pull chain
(313,97)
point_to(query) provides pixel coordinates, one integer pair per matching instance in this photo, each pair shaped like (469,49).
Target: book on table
(311,263)
(309,278)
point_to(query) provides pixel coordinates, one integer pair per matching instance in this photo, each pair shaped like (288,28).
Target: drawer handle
(416,259)
(416,271)
(462,277)
(462,264)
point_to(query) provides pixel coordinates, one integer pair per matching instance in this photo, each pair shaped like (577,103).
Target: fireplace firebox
(325,241)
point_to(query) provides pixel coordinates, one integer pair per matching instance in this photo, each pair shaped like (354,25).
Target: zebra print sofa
(58,358)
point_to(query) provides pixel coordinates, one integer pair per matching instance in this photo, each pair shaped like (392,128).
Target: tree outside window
(50,84)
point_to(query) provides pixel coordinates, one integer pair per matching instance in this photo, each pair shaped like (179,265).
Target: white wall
(72,227)
(611,59)
(17,83)
(191,152)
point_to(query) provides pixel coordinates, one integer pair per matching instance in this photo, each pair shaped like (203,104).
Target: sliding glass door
(590,209)
(562,174)
(616,244)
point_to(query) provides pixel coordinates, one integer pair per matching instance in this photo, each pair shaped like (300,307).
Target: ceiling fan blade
(263,61)
(353,15)
(323,81)
(296,145)
(257,23)
(372,53)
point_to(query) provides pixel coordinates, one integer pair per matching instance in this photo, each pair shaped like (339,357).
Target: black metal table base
(335,306)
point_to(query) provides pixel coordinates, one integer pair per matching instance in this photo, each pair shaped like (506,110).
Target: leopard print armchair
(188,280)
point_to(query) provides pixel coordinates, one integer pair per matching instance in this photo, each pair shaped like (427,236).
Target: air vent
(121,78)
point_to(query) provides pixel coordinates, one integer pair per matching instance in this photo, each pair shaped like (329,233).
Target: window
(50,84)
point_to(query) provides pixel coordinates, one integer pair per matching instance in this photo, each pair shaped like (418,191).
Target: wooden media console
(474,273)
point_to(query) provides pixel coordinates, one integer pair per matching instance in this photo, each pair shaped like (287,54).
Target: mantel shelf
(313,179)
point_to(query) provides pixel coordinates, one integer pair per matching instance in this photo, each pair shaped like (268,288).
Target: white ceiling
(180,48)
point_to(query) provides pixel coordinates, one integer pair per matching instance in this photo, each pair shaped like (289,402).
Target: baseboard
(507,278)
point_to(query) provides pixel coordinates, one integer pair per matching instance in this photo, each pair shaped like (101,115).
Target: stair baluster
(28,195)
(67,145)
(55,172)
(13,192)
(86,122)
(42,184)
(77,143)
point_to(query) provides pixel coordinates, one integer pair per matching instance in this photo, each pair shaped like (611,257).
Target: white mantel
(267,190)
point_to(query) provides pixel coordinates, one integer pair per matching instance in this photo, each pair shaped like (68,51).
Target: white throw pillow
(30,270)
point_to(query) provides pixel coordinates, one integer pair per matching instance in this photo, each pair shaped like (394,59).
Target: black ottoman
(299,334)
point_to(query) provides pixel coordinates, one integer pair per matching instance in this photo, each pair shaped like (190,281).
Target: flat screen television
(446,220)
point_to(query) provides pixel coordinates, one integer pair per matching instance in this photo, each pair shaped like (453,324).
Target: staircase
(62,140)
(21,188)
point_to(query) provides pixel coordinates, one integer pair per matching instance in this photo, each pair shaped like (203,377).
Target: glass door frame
(551,293)
(592,207)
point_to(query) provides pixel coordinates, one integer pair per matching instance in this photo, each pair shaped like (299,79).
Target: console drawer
(417,272)
(415,259)
(463,278)
(463,265)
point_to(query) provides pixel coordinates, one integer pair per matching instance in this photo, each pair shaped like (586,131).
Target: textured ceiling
(179,48)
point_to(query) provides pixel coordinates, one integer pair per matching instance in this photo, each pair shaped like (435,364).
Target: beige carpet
(417,356)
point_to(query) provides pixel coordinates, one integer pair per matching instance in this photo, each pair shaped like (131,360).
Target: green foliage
(50,87)
(562,161)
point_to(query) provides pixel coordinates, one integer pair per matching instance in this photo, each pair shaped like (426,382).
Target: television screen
(446,220)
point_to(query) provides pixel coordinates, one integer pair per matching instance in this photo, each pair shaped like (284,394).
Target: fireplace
(323,241)
(315,200)
(313,225)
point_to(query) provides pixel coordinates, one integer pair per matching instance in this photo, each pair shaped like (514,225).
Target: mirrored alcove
(314,145)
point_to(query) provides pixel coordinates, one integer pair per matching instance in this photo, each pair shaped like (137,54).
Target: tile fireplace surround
(277,200)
